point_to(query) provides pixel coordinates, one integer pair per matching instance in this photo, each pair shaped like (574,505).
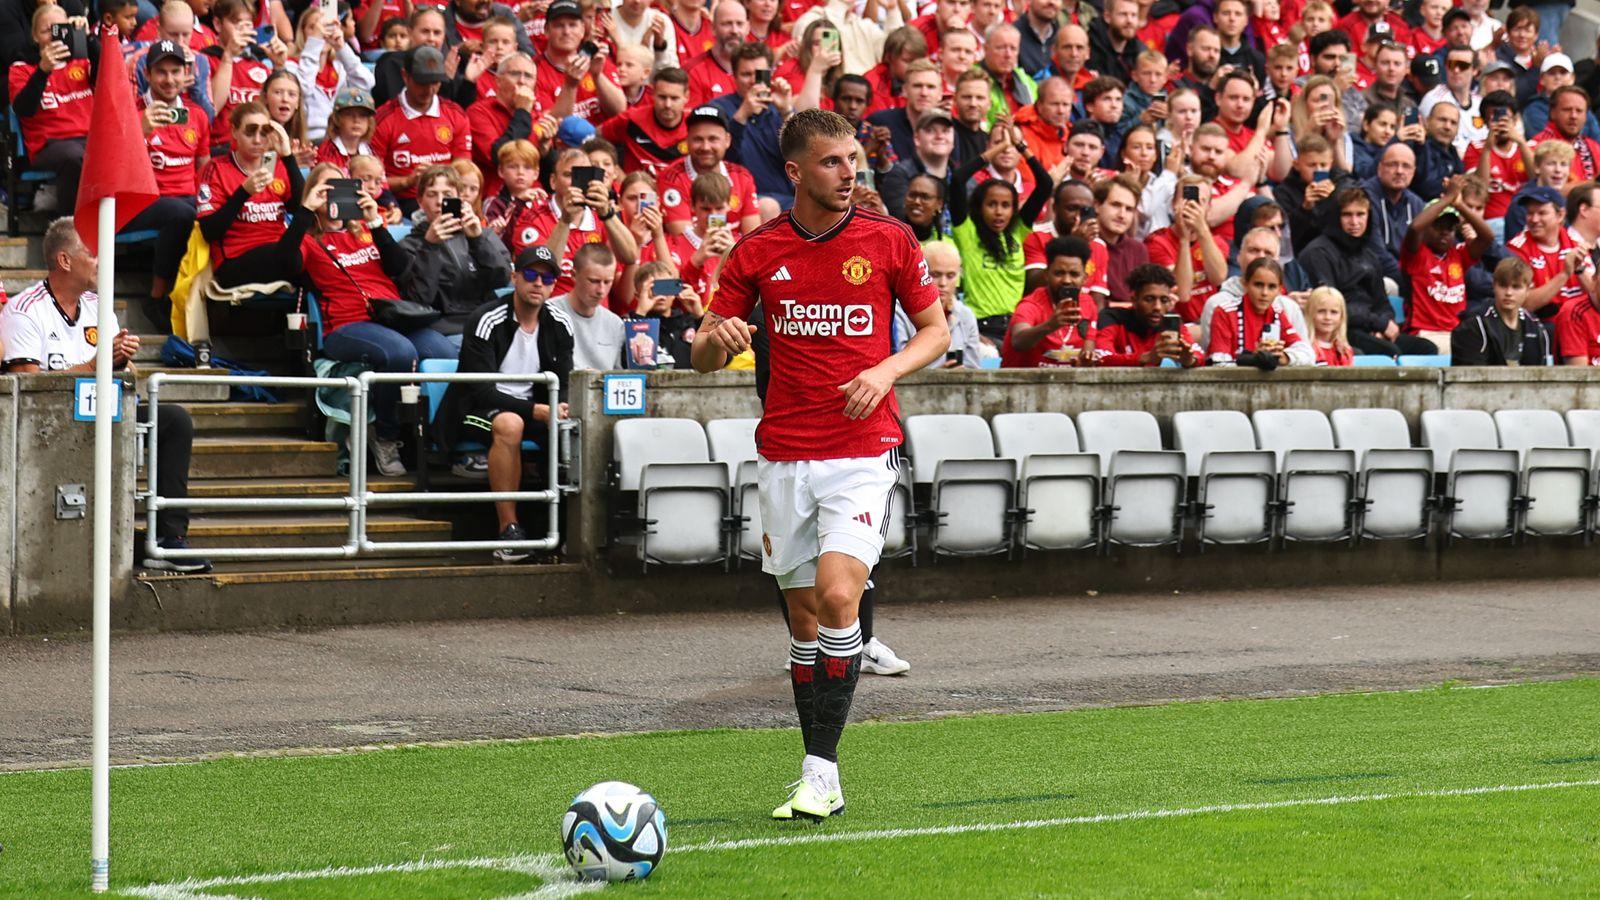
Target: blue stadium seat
(400,230)
(1368,359)
(128,238)
(989,362)
(18,173)
(1435,360)
(1399,309)
(434,391)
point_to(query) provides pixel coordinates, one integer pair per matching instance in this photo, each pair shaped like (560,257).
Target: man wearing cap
(418,129)
(708,142)
(1437,263)
(711,73)
(1562,270)
(565,68)
(1569,113)
(426,25)
(507,116)
(653,138)
(1459,66)
(519,336)
(1554,73)
(177,137)
(176,23)
(934,142)
(1358,24)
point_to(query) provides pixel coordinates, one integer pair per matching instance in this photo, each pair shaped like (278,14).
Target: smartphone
(1087,214)
(717,220)
(77,41)
(645,203)
(830,39)
(451,206)
(956,356)
(1159,98)
(1500,113)
(1171,322)
(1191,192)
(1321,176)
(179,114)
(1067,292)
(861,176)
(269,159)
(668,287)
(582,176)
(764,76)
(589,49)
(265,34)
(1411,116)
(330,9)
(344,199)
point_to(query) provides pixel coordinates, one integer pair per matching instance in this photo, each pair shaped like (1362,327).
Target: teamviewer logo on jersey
(857,320)
(797,319)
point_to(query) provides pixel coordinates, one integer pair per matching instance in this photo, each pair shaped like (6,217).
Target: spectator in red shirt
(901,47)
(697,253)
(565,70)
(52,99)
(349,128)
(652,137)
(1504,159)
(418,129)
(1562,272)
(1436,262)
(1330,339)
(178,141)
(1569,111)
(244,198)
(1117,205)
(1138,335)
(1368,13)
(947,15)
(240,68)
(510,115)
(578,217)
(1198,258)
(1068,203)
(1054,325)
(1254,331)
(711,73)
(708,140)
(691,27)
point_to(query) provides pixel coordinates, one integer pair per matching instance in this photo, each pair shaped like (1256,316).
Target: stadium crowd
(1113,183)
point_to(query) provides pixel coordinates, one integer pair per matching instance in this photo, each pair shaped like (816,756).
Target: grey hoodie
(456,276)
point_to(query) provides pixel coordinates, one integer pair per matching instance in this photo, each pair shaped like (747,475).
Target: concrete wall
(52,572)
(8,497)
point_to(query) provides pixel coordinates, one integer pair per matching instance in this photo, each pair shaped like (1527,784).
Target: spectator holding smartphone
(455,264)
(1255,331)
(583,213)
(245,198)
(661,295)
(178,139)
(697,253)
(52,99)
(240,65)
(1146,333)
(1197,257)
(1055,324)
(326,66)
(1505,158)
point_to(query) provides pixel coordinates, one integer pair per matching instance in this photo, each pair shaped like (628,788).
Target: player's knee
(508,428)
(838,597)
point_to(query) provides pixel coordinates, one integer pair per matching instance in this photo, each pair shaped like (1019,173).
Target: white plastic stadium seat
(1556,484)
(1523,429)
(1394,480)
(1316,483)
(1483,489)
(1058,488)
(1583,427)
(1444,431)
(970,491)
(1237,482)
(733,443)
(1144,486)
(683,495)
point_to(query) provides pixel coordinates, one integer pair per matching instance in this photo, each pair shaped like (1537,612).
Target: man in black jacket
(1505,334)
(518,336)
(1113,40)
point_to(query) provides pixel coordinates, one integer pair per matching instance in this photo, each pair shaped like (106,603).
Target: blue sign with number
(83,400)
(623,395)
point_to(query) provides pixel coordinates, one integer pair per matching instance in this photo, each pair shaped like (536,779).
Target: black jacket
(1104,58)
(456,276)
(1306,224)
(488,336)
(1472,344)
(1356,268)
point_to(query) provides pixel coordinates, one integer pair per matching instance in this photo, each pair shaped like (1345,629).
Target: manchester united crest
(91,335)
(857,270)
(278,186)
(444,133)
(1455,271)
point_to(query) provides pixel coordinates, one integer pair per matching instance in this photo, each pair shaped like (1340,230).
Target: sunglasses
(539,276)
(1457,65)
(255,131)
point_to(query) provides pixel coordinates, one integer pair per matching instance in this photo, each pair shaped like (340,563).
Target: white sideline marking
(559,881)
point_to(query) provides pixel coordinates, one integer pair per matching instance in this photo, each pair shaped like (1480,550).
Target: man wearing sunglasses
(513,337)
(1460,72)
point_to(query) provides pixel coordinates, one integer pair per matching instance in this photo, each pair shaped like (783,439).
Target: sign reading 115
(623,395)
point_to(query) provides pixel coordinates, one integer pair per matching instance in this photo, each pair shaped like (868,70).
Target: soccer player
(827,276)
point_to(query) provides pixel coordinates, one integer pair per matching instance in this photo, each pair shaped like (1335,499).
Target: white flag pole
(104,409)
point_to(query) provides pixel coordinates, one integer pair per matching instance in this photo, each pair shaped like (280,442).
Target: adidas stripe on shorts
(811,507)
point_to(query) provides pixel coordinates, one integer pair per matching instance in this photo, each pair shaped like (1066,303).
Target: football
(614,832)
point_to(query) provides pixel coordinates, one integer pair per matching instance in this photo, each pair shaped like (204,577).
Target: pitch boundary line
(559,881)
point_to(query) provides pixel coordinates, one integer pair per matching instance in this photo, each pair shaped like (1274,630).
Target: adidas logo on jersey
(403,138)
(782,274)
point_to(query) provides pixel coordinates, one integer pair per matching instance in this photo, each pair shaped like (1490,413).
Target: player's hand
(863,393)
(731,336)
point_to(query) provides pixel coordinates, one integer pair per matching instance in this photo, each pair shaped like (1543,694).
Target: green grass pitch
(1445,792)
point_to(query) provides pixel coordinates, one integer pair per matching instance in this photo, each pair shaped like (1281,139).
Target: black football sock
(802,663)
(837,671)
(868,596)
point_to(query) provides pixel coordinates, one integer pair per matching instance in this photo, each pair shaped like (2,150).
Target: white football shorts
(812,507)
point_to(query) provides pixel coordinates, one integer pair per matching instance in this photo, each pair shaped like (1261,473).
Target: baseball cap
(1455,13)
(354,98)
(1379,31)
(537,255)
(933,117)
(563,8)
(1425,69)
(1541,194)
(708,114)
(1556,61)
(161,50)
(574,130)
(1447,211)
(1498,65)
(426,65)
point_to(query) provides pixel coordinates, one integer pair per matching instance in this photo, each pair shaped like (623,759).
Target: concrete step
(20,253)
(178,392)
(255,418)
(130,283)
(306,530)
(257,456)
(150,349)
(291,487)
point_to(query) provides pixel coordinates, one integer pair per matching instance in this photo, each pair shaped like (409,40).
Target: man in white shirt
(597,332)
(53,326)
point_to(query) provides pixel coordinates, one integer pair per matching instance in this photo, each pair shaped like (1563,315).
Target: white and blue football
(614,832)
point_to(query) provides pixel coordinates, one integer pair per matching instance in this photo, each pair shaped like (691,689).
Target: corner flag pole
(103,411)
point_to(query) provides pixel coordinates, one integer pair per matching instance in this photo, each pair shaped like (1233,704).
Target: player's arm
(864,392)
(718,341)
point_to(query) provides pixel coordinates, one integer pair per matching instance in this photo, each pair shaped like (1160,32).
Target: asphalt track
(182,695)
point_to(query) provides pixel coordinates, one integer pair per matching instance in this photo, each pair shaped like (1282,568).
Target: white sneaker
(44,198)
(473,465)
(878,659)
(385,455)
(816,795)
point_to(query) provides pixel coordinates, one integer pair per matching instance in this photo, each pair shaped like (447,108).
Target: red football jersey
(177,152)
(827,302)
(1585,156)
(675,180)
(392,9)
(1230,321)
(346,269)
(199,39)
(63,108)
(550,81)
(331,151)
(692,43)
(1162,246)
(1035,309)
(1506,175)
(644,143)
(487,120)
(1546,264)
(708,80)
(1121,341)
(528,224)
(260,220)
(248,77)
(885,94)
(681,248)
(1438,288)
(408,141)
(1333,356)
(1222,185)
(1578,332)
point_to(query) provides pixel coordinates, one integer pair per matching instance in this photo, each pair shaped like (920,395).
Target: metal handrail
(560,441)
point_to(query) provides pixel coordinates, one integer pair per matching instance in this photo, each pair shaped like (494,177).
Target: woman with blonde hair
(1316,110)
(1325,309)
